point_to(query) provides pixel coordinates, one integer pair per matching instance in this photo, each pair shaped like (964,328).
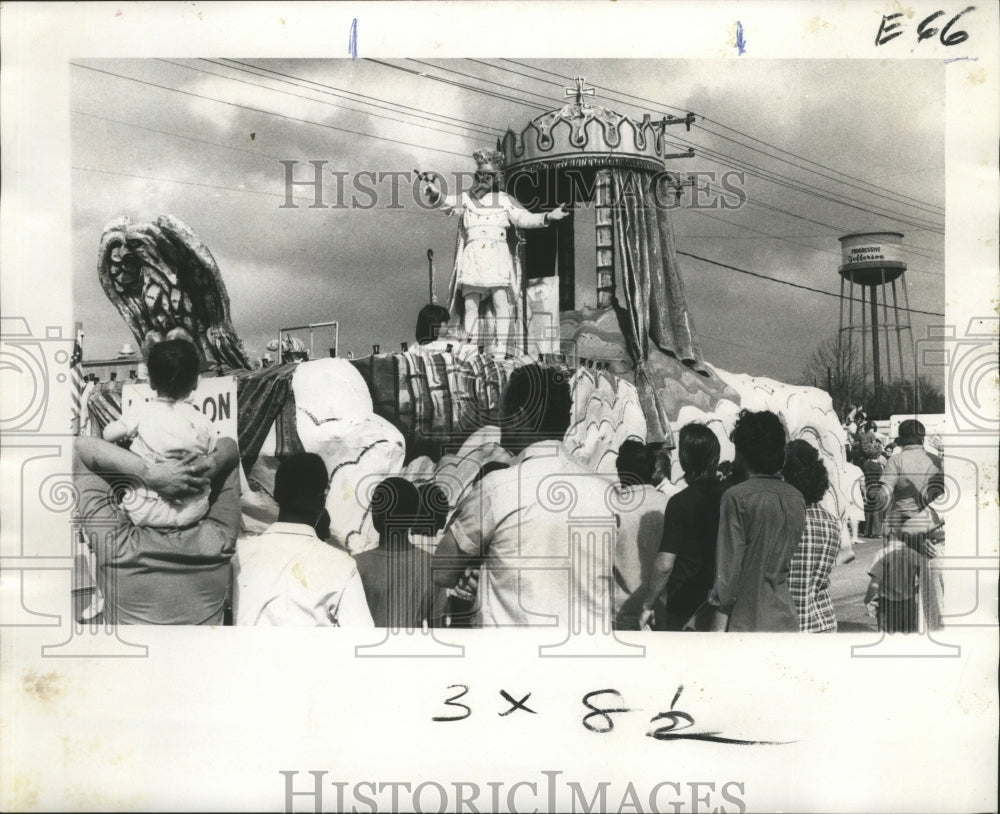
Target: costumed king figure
(487,269)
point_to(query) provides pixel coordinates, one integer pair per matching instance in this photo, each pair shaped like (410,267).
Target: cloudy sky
(828,146)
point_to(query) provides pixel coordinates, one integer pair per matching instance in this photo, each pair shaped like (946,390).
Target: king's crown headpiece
(488,160)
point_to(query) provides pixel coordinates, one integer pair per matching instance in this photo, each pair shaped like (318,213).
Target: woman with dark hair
(871,444)
(431,320)
(685,564)
(640,528)
(661,461)
(760,525)
(809,578)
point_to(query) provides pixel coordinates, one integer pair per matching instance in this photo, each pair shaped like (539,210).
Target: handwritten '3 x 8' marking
(515,704)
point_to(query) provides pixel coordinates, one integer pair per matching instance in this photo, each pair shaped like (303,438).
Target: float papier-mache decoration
(633,361)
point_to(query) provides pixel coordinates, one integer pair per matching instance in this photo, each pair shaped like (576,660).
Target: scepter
(430,275)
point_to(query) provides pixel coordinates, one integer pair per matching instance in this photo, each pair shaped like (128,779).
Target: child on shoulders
(166,427)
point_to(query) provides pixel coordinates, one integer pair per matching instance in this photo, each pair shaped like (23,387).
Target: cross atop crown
(580,91)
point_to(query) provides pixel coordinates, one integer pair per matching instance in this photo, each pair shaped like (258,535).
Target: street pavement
(848,584)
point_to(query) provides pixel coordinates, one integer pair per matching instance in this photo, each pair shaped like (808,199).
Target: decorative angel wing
(164,282)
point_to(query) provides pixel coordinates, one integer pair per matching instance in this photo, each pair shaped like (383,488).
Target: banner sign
(215,397)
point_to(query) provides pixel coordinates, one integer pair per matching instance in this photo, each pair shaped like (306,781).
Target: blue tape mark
(352,40)
(741,43)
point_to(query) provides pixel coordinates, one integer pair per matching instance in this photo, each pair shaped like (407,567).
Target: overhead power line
(758,350)
(245,191)
(874,189)
(265,112)
(393,119)
(465,86)
(358,98)
(546,99)
(761,235)
(177,135)
(810,189)
(189,183)
(793,285)
(786,213)
(882,192)
(764,234)
(419,146)
(764,174)
(770,207)
(765,177)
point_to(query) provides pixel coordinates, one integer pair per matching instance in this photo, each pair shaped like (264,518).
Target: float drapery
(655,306)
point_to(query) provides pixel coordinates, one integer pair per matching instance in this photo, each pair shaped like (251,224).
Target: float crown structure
(580,134)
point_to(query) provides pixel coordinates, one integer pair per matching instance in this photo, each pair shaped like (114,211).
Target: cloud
(368,268)
(238,91)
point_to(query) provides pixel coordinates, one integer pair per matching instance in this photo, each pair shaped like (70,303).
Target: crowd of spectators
(541,541)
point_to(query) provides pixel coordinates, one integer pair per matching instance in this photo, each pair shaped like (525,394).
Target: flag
(77,384)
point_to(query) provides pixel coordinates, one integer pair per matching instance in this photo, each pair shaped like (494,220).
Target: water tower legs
(876,370)
(872,260)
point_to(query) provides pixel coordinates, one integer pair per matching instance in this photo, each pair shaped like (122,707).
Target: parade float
(633,360)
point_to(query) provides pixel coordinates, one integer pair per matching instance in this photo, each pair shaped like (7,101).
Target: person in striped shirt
(816,553)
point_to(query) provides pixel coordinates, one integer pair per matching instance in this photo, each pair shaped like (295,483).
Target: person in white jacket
(486,267)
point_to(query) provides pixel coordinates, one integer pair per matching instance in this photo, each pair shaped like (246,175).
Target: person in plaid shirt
(809,579)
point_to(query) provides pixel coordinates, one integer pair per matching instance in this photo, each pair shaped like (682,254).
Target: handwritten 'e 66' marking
(887,29)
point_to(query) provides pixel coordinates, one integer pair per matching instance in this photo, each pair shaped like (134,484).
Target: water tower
(872,265)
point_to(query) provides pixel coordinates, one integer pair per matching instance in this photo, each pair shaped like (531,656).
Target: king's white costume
(486,256)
